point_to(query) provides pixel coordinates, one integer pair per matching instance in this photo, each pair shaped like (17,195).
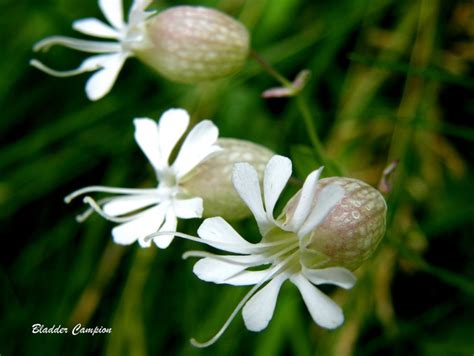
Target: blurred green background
(391,80)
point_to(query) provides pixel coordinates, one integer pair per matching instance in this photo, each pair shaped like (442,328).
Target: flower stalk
(294,89)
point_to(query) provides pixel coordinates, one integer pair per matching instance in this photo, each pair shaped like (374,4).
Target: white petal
(124,205)
(170,225)
(198,145)
(95,27)
(247,278)
(171,127)
(139,228)
(277,173)
(188,208)
(140,5)
(100,83)
(338,276)
(323,310)
(305,201)
(219,231)
(258,311)
(147,137)
(113,12)
(214,270)
(326,200)
(222,268)
(137,13)
(245,180)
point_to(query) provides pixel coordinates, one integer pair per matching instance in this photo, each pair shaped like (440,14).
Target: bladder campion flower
(127,37)
(287,246)
(144,211)
(184,43)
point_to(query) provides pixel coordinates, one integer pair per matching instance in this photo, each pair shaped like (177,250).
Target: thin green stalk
(305,113)
(316,142)
(270,70)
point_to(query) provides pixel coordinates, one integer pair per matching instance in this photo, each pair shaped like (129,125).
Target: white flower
(283,248)
(113,54)
(142,212)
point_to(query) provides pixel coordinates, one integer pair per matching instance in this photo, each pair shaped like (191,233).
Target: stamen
(276,243)
(102,189)
(241,248)
(67,73)
(84,215)
(183,236)
(93,204)
(240,260)
(224,327)
(233,259)
(244,300)
(285,250)
(80,218)
(77,44)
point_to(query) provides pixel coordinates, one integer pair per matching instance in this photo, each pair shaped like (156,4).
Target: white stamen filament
(271,274)
(245,249)
(77,44)
(102,189)
(88,212)
(204,254)
(66,73)
(255,262)
(95,206)
(80,218)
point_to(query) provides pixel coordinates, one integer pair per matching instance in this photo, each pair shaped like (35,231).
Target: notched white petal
(137,12)
(277,173)
(188,208)
(226,238)
(214,270)
(246,183)
(247,278)
(147,137)
(323,310)
(128,204)
(113,12)
(147,223)
(338,276)
(326,200)
(306,199)
(95,27)
(170,224)
(258,311)
(172,125)
(101,82)
(199,144)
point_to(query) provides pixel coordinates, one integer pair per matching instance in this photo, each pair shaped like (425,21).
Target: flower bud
(211,180)
(191,44)
(350,233)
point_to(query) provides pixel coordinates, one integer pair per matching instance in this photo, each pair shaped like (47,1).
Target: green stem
(316,142)
(305,113)
(272,71)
